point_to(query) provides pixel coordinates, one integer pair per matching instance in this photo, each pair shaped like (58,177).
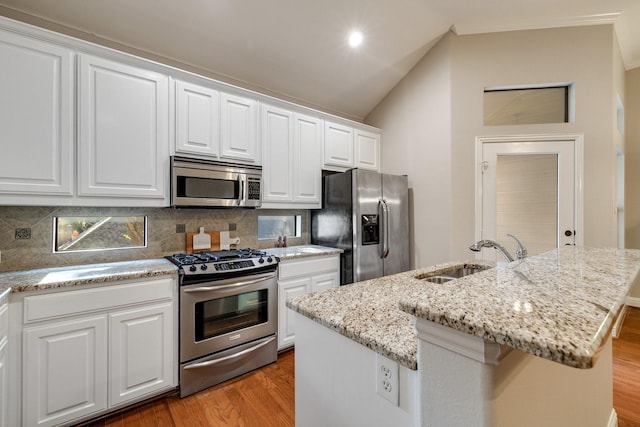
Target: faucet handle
(521,251)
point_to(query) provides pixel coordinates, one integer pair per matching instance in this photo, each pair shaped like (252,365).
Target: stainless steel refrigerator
(366,214)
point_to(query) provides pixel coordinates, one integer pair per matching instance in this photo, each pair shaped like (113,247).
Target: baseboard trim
(613,419)
(633,301)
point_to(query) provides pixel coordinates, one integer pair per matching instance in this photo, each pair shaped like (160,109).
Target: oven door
(225,313)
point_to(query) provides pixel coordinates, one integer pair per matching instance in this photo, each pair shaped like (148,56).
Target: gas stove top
(215,265)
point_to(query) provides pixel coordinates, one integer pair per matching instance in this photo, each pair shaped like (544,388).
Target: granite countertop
(77,275)
(302,251)
(368,313)
(560,305)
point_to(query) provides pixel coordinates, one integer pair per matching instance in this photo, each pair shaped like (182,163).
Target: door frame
(578,144)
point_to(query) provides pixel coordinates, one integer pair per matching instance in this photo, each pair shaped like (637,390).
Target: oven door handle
(231,356)
(235,285)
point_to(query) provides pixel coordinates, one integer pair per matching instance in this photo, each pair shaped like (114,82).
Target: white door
(238,128)
(64,371)
(277,144)
(307,183)
(286,317)
(36,117)
(338,145)
(141,352)
(367,150)
(123,149)
(197,120)
(528,189)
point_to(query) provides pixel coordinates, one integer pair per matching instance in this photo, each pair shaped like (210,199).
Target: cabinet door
(64,371)
(197,120)
(3,384)
(286,317)
(123,130)
(277,160)
(338,145)
(141,352)
(325,281)
(4,375)
(238,128)
(367,146)
(307,181)
(36,117)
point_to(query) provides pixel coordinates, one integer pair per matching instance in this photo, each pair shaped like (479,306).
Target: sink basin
(463,271)
(438,279)
(452,274)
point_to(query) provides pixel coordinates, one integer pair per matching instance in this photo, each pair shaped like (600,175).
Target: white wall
(632,160)
(416,122)
(463,66)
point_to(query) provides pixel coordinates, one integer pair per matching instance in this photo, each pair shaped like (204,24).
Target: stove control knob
(261,260)
(192,268)
(203,267)
(269,259)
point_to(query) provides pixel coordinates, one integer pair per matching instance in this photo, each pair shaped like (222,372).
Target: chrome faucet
(521,251)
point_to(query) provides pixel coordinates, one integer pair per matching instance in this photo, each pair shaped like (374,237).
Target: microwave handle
(241,193)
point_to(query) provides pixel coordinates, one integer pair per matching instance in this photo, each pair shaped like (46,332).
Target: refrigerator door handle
(385,229)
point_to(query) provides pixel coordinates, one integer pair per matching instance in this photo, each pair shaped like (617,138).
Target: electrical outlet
(387,381)
(23,233)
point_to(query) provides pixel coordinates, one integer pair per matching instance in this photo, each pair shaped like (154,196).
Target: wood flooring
(265,397)
(626,371)
(262,398)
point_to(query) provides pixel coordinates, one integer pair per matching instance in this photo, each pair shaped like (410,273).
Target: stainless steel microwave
(204,183)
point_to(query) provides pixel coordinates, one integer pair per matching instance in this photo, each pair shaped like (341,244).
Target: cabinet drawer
(308,267)
(65,303)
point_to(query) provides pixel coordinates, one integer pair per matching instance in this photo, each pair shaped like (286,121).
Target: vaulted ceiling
(297,49)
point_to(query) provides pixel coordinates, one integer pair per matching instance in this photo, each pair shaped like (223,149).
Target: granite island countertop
(560,305)
(78,275)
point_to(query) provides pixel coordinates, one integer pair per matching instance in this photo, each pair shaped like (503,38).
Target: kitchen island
(524,343)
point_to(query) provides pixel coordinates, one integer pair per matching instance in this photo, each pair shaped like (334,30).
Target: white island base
(462,380)
(336,383)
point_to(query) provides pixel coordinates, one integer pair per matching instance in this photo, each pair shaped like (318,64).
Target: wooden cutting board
(215,242)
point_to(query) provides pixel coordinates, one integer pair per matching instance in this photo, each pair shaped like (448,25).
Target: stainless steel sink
(438,279)
(452,274)
(463,271)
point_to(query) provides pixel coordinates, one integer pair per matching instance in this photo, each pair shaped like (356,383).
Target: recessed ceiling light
(355,38)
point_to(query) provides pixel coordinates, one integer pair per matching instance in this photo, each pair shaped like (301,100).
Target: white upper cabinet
(123,147)
(307,154)
(277,161)
(347,147)
(36,117)
(338,145)
(291,159)
(84,125)
(239,117)
(197,120)
(367,148)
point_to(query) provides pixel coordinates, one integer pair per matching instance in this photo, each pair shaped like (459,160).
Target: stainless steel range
(228,315)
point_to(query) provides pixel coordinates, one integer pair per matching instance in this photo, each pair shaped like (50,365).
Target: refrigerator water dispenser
(370,230)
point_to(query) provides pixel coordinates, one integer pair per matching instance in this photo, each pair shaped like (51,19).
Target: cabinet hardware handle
(231,356)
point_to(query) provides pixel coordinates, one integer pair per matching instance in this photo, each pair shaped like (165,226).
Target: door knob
(568,233)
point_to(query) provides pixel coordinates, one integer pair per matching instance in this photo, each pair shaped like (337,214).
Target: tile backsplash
(26,233)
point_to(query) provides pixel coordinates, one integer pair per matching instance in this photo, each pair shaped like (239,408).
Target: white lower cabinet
(4,350)
(299,277)
(90,351)
(140,351)
(65,370)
